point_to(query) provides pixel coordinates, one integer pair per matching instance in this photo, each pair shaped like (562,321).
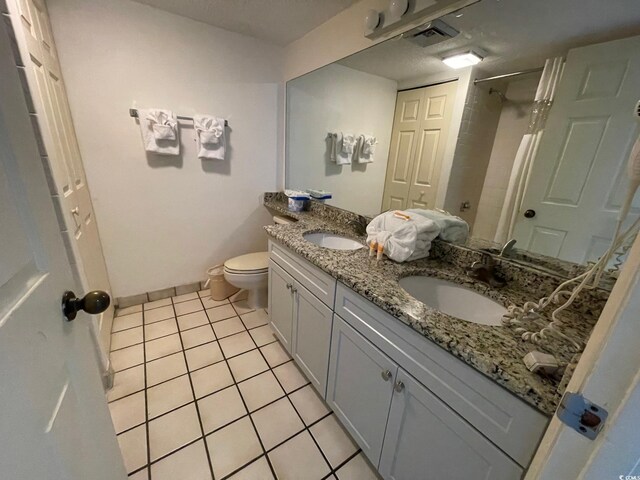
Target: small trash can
(220,288)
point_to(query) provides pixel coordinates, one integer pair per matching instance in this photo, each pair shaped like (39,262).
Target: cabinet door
(312,339)
(426,439)
(360,387)
(281,304)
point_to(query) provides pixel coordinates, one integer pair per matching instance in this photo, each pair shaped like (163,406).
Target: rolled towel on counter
(404,236)
(452,229)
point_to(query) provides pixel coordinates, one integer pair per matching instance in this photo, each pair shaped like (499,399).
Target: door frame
(612,347)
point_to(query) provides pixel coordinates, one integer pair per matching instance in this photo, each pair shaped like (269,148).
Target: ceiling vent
(430,33)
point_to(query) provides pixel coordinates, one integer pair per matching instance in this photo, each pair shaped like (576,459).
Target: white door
(425,435)
(359,387)
(54,422)
(30,21)
(578,181)
(420,129)
(312,341)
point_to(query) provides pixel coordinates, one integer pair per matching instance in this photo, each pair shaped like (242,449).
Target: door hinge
(582,415)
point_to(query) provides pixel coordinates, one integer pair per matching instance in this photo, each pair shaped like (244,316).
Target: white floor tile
(158,314)
(232,447)
(203,355)
(133,445)
(127,357)
(262,335)
(221,408)
(126,381)
(161,347)
(165,368)
(236,344)
(258,470)
(160,329)
(260,390)
(277,422)
(189,463)
(290,376)
(255,319)
(209,302)
(220,313)
(189,306)
(157,304)
(127,412)
(173,430)
(298,458)
(309,404)
(185,297)
(128,310)
(227,327)
(169,395)
(358,468)
(275,354)
(211,379)
(126,338)
(247,365)
(197,336)
(126,321)
(334,441)
(141,475)
(192,320)
(240,295)
(242,307)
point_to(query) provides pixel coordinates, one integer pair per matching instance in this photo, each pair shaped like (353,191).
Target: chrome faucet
(360,224)
(485,271)
(507,248)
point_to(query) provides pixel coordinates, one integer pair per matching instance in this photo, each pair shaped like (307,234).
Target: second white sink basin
(454,300)
(332,240)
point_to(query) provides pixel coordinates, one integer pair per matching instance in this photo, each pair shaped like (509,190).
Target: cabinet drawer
(507,421)
(320,283)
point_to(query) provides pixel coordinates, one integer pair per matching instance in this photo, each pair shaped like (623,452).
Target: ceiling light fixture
(464,59)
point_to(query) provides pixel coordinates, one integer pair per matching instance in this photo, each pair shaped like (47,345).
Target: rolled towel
(452,229)
(403,235)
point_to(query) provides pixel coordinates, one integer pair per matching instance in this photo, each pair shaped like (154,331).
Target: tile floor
(204,391)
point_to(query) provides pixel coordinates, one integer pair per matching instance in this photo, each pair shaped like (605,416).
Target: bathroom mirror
(530,143)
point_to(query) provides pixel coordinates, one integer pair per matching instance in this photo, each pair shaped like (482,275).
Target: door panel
(425,439)
(579,169)
(357,391)
(281,304)
(54,422)
(312,343)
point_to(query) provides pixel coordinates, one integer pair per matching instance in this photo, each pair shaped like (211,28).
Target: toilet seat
(249,264)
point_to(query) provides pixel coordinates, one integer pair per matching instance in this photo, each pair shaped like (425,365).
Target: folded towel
(452,229)
(404,236)
(210,137)
(159,129)
(366,148)
(348,144)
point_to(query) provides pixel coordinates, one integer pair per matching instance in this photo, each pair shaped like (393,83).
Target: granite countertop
(496,352)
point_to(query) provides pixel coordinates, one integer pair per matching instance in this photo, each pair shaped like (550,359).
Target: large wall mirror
(530,143)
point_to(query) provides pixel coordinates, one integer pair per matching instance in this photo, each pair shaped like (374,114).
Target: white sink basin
(331,240)
(454,300)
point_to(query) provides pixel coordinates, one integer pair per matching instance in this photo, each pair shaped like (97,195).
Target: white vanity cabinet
(414,409)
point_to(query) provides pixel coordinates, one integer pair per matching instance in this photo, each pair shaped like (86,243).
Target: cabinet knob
(399,386)
(386,375)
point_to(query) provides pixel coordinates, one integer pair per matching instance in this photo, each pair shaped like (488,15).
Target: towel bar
(133,112)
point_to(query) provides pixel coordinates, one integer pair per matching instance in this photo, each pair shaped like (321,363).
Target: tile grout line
(193,392)
(224,356)
(146,403)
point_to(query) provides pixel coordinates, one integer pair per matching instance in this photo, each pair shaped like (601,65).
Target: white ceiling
(276,21)
(516,34)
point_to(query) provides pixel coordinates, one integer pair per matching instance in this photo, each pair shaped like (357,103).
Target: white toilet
(250,272)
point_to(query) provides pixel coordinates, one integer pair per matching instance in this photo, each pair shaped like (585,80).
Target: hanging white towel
(210,137)
(348,145)
(366,148)
(159,129)
(332,144)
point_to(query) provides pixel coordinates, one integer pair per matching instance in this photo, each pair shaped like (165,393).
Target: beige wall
(514,119)
(164,220)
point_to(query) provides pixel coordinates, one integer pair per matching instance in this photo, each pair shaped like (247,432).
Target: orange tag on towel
(401,215)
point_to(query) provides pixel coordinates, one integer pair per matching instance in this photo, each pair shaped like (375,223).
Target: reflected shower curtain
(526,154)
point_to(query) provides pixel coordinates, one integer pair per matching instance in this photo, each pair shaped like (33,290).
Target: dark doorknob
(93,302)
(529,213)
